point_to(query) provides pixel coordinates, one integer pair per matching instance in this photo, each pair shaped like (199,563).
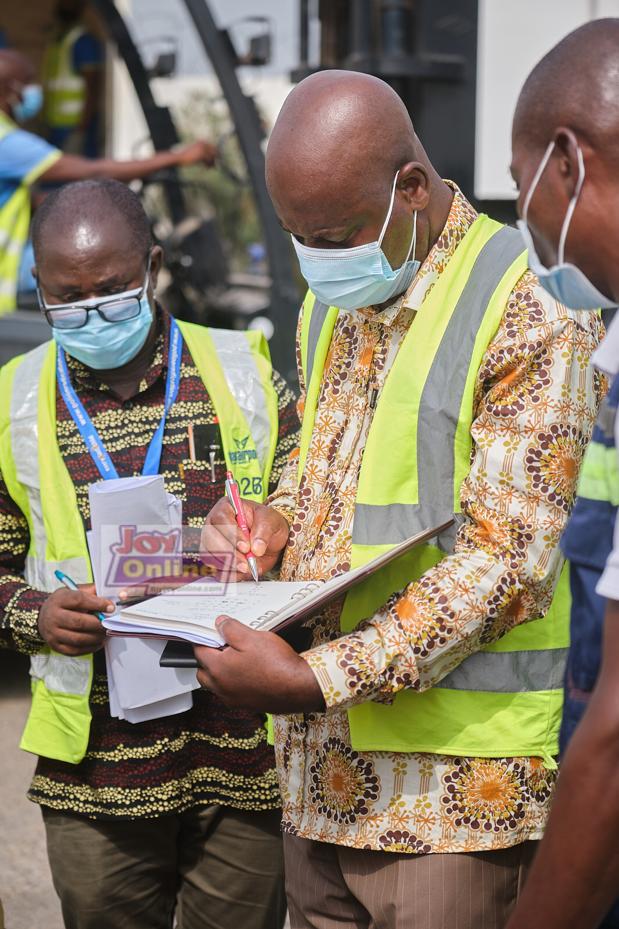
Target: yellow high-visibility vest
(506,699)
(14,225)
(236,370)
(65,88)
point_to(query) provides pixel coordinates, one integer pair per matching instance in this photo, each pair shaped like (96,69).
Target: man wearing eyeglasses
(179,813)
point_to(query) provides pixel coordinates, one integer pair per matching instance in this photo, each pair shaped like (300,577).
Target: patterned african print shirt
(209,754)
(535,403)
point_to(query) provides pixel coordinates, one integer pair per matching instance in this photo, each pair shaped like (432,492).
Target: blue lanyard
(84,423)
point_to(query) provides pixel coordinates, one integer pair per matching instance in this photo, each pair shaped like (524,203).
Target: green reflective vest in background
(505,700)
(65,88)
(236,370)
(14,225)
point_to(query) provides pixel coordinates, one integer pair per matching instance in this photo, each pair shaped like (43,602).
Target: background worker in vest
(564,161)
(25,158)
(416,756)
(184,806)
(72,83)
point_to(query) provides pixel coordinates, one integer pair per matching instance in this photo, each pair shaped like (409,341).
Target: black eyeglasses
(114,309)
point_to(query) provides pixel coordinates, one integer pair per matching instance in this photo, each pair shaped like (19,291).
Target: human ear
(414,185)
(567,160)
(156,260)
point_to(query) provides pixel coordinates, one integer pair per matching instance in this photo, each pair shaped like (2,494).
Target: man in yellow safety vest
(439,380)
(25,158)
(173,813)
(72,85)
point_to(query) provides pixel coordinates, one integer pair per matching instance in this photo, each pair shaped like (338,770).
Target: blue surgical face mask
(564,281)
(351,278)
(102,344)
(30,103)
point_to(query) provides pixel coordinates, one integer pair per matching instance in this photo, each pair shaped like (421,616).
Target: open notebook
(189,613)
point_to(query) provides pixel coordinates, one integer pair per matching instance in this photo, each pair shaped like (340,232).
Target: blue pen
(71,585)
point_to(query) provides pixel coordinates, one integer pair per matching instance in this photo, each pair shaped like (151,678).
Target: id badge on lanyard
(92,439)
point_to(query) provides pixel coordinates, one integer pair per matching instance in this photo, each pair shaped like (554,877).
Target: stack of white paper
(139,688)
(120,511)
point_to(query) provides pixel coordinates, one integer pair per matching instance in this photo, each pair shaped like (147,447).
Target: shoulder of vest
(196,331)
(484,220)
(552,310)
(491,227)
(255,338)
(71,37)
(35,356)
(190,329)
(311,303)
(7,126)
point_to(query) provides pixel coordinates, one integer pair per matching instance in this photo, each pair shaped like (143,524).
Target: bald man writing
(417,735)
(565,136)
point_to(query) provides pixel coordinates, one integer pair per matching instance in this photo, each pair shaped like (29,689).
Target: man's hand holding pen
(258,670)
(234,499)
(268,535)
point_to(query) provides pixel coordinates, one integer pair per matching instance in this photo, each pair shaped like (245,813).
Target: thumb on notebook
(235,633)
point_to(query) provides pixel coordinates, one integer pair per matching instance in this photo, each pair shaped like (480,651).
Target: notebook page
(184,611)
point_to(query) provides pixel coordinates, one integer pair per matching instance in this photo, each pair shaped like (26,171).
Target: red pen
(234,499)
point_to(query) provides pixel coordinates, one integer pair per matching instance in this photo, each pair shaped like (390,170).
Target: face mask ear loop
(571,207)
(411,250)
(388,216)
(535,181)
(147,280)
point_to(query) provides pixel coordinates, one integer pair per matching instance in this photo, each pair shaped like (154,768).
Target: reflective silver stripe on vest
(606,419)
(442,395)
(243,379)
(60,673)
(69,107)
(66,83)
(319,314)
(8,245)
(383,525)
(24,443)
(509,672)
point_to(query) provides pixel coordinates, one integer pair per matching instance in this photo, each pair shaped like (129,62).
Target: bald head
(569,106)
(340,142)
(82,212)
(92,238)
(575,85)
(342,123)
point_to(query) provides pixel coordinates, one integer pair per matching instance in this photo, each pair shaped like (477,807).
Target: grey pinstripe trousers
(331,886)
